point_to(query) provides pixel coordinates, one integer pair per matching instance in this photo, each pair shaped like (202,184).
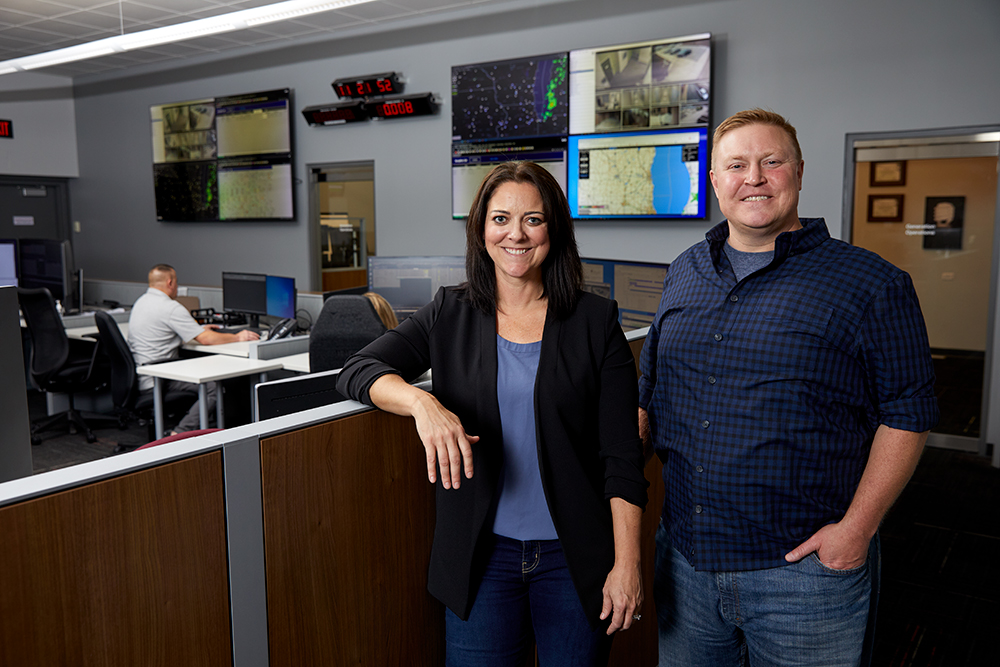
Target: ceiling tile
(375,11)
(427,5)
(178,6)
(328,20)
(286,29)
(36,8)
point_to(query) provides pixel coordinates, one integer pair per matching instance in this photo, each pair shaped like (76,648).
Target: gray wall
(830,66)
(42,111)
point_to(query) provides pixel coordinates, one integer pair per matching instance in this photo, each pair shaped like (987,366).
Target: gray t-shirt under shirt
(745,263)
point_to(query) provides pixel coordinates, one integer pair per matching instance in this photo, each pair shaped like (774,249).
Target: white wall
(42,111)
(830,66)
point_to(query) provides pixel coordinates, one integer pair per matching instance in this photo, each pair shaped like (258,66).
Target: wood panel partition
(348,522)
(125,571)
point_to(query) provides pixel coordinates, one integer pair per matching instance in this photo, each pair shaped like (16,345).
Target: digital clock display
(336,114)
(6,129)
(368,86)
(402,107)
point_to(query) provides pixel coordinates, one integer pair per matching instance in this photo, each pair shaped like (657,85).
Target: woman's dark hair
(562,273)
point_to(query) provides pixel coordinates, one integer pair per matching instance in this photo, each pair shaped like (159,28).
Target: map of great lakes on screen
(646,180)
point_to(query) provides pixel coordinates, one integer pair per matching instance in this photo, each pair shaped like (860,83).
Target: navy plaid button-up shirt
(764,394)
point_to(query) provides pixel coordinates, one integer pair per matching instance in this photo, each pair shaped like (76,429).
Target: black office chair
(345,325)
(130,402)
(58,363)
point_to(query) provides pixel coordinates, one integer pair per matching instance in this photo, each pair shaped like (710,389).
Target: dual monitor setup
(34,263)
(256,294)
(409,283)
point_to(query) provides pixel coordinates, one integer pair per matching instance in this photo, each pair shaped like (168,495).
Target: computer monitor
(245,293)
(280,296)
(636,286)
(48,263)
(409,283)
(8,262)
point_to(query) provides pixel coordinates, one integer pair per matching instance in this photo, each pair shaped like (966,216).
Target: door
(342,212)
(927,202)
(34,208)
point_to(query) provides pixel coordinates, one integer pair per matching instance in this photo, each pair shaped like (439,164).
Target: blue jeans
(802,614)
(526,589)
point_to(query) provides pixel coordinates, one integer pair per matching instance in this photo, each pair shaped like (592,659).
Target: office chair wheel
(35,440)
(91,438)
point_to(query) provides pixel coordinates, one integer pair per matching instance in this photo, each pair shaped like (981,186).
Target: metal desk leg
(158,407)
(220,422)
(203,405)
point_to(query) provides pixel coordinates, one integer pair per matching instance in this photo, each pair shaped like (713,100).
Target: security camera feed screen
(638,174)
(224,159)
(646,85)
(253,124)
(526,97)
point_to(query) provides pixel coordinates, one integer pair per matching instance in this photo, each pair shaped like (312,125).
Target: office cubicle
(297,540)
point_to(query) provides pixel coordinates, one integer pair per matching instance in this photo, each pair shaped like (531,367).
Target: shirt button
(697,509)
(711,379)
(705,424)
(699,468)
(734,298)
(718,336)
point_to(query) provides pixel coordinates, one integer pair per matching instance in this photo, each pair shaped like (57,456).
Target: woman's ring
(636,617)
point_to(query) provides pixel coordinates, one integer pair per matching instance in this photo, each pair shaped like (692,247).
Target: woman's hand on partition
(447,444)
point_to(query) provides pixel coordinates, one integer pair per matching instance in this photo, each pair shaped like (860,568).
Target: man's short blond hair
(756,116)
(160,274)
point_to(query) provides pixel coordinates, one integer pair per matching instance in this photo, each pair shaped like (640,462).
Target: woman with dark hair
(535,392)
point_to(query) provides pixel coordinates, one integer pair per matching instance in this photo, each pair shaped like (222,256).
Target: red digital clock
(356,87)
(423,104)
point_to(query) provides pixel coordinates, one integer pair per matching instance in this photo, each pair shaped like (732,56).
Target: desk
(90,332)
(295,362)
(238,349)
(200,371)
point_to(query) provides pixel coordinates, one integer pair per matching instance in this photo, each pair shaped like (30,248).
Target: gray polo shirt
(157,327)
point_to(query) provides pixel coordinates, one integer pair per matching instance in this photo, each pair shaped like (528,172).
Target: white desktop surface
(209,369)
(295,362)
(240,348)
(90,332)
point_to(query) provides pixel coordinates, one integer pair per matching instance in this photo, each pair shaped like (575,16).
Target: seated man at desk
(158,326)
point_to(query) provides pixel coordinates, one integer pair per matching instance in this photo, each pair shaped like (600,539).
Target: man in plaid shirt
(787,385)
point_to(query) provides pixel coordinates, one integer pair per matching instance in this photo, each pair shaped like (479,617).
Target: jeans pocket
(814,558)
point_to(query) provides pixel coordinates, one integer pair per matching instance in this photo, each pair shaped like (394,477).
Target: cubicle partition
(302,539)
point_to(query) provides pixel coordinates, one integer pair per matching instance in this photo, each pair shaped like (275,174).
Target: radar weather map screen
(527,97)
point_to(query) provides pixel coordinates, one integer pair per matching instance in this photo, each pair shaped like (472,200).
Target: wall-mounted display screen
(525,97)
(644,85)
(652,174)
(636,286)
(623,128)
(227,158)
(471,162)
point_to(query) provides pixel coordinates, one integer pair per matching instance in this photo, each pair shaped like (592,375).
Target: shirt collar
(813,232)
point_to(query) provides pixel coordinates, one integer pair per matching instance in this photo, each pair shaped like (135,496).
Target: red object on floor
(178,436)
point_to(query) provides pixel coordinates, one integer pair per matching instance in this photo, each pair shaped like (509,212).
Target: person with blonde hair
(384,310)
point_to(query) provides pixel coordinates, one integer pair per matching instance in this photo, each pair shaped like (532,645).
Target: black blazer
(586,399)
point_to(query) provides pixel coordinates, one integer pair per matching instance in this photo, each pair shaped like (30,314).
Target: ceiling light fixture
(279,11)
